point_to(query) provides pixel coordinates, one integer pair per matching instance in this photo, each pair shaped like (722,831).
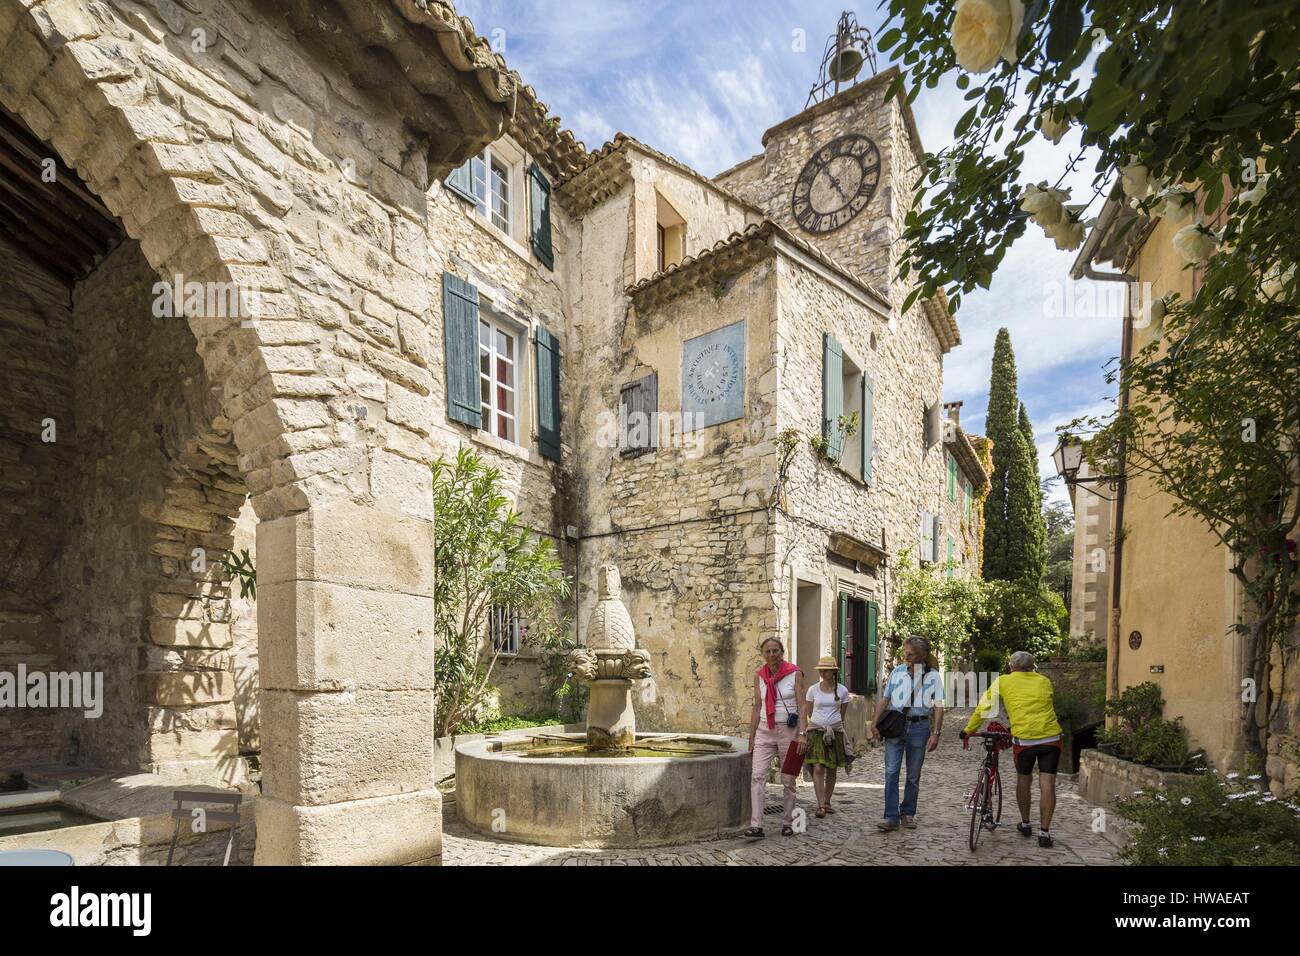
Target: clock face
(836,183)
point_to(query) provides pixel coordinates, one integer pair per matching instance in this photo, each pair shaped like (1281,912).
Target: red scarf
(769,698)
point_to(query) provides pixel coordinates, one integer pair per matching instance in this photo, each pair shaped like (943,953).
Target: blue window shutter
(832,394)
(460,335)
(548,394)
(459,182)
(539,202)
(868,425)
(952,478)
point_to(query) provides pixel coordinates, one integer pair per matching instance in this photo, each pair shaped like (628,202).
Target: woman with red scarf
(776,723)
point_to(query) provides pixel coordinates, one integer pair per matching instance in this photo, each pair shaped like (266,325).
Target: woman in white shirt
(824,743)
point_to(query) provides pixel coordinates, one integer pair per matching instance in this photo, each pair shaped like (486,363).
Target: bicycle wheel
(978,802)
(997,799)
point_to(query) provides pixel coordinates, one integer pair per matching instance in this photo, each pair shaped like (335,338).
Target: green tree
(484,558)
(1190,110)
(934,606)
(1017,616)
(1014,546)
(1058,519)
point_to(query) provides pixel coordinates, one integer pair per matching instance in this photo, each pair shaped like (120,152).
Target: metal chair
(231,816)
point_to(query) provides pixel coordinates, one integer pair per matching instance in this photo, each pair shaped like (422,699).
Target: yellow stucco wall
(1175,588)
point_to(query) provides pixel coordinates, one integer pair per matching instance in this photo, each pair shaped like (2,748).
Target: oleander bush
(1212,820)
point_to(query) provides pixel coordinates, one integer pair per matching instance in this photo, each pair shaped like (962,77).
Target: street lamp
(1068,457)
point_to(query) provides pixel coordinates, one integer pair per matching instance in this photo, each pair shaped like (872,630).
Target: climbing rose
(1255,193)
(1135,179)
(1054,129)
(984,30)
(1195,243)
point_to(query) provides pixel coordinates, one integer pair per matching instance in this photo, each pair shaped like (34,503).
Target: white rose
(1067,234)
(984,30)
(1153,313)
(1255,193)
(1175,205)
(1135,180)
(1276,281)
(1053,128)
(1195,243)
(1044,204)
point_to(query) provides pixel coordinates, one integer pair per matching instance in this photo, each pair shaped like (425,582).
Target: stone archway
(249,162)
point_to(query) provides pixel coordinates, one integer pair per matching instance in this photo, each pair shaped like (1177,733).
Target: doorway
(858,644)
(808,627)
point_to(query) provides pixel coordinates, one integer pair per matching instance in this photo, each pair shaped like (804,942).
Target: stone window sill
(487,440)
(510,242)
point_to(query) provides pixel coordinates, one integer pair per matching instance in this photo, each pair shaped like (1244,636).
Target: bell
(846,63)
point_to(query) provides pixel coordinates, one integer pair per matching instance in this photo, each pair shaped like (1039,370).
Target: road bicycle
(985,802)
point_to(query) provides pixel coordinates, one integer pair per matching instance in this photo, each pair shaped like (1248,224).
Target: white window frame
(511,160)
(504,627)
(499,326)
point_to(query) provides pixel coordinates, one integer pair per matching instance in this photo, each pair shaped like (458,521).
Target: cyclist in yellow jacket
(1035,735)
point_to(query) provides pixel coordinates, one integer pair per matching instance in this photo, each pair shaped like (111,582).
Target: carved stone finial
(610,626)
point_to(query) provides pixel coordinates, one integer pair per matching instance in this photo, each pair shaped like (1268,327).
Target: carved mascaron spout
(608,664)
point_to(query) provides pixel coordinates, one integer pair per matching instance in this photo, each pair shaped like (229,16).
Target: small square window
(504,630)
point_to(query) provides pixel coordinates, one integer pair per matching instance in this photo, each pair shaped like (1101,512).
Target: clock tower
(839,175)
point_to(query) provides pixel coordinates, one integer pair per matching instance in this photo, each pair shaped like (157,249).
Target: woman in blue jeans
(916,689)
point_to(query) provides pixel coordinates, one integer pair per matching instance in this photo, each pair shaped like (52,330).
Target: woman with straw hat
(824,743)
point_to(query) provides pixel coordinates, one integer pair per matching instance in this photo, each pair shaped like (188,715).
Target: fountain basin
(571,798)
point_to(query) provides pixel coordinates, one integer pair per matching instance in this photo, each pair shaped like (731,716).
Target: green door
(843,633)
(873,614)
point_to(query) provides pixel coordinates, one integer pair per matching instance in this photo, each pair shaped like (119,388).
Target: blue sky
(703,81)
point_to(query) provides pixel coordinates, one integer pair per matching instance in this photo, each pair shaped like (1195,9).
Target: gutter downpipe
(1126,352)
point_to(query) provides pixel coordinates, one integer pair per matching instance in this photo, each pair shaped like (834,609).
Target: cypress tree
(1015,546)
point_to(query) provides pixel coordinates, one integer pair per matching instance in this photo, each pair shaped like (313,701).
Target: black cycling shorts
(1047,756)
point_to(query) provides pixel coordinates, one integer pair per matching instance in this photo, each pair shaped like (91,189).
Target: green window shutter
(548,394)
(539,202)
(952,478)
(873,645)
(832,394)
(868,425)
(460,334)
(970,495)
(460,183)
(843,618)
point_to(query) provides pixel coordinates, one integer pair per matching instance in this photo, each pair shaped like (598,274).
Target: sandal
(821,812)
(753,832)
(787,831)
(829,809)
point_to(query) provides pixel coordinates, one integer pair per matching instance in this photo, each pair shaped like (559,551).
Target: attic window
(670,234)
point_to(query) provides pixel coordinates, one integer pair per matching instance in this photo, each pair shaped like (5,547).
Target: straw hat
(827,663)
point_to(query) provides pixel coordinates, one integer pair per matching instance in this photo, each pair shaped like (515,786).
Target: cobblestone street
(848,837)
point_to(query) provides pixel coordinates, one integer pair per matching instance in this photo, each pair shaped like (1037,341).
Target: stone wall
(1284,727)
(688,524)
(153,507)
(36,357)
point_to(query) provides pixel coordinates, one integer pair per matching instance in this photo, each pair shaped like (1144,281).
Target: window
(491,180)
(500,197)
(638,407)
(498,350)
(952,478)
(930,530)
(670,234)
(503,627)
(847,389)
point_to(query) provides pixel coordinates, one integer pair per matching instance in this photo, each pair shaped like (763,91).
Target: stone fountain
(610,786)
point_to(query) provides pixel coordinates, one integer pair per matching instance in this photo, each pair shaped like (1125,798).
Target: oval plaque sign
(1135,640)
